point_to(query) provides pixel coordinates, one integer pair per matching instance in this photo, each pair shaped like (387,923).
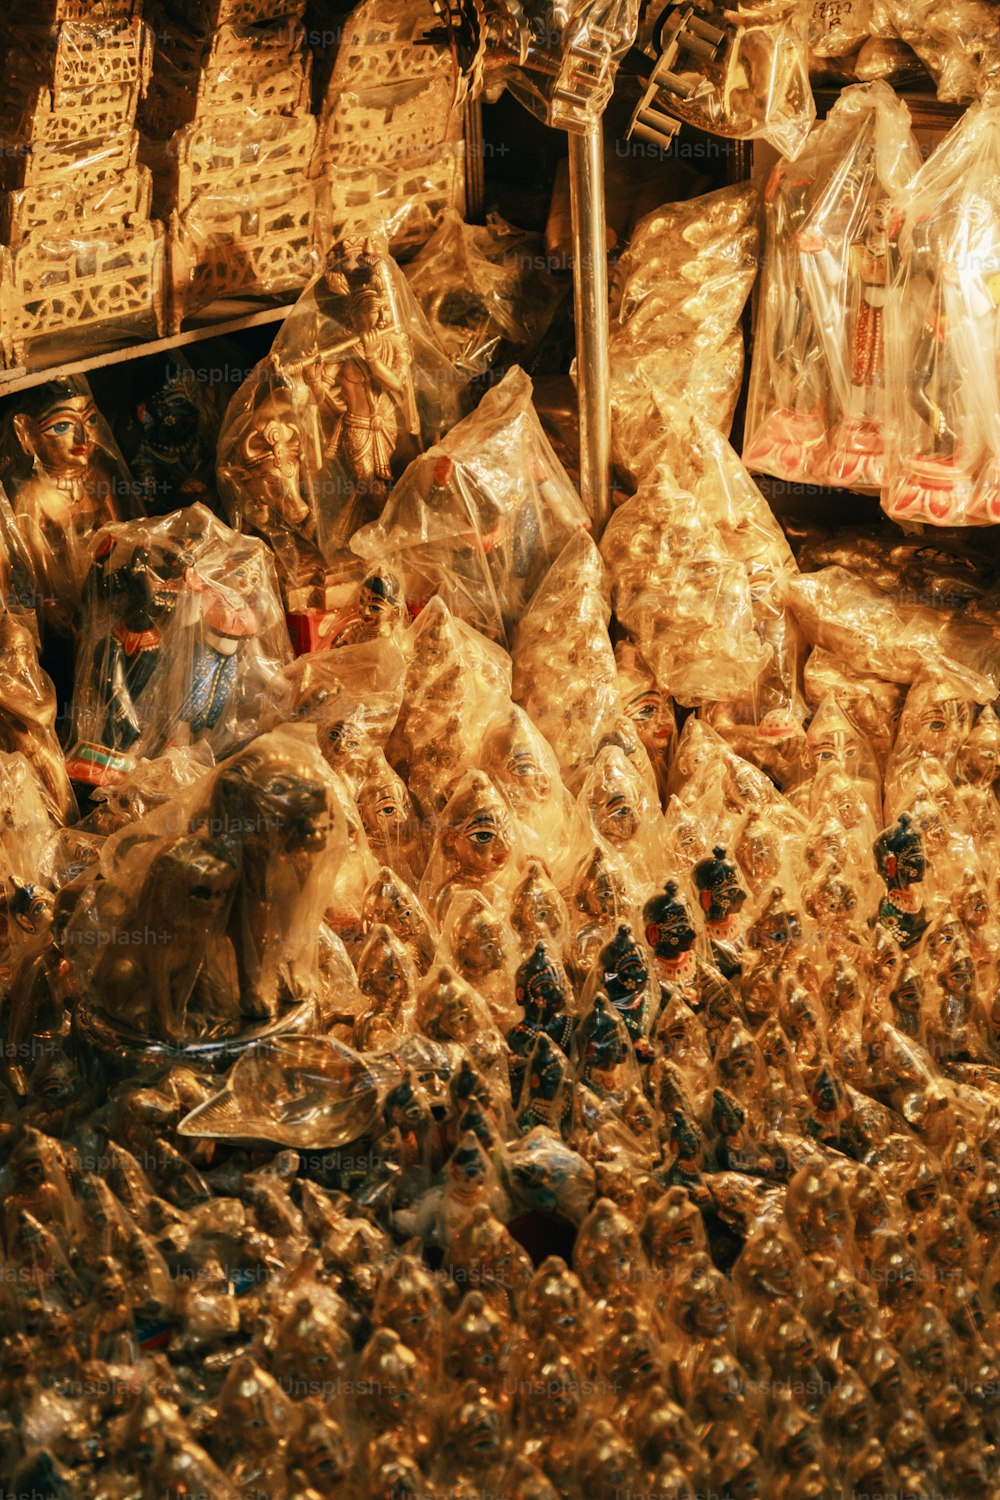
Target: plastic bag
(224,71)
(872,632)
(739,71)
(685,603)
(522,764)
(353,388)
(958,41)
(390,158)
(173,461)
(944,333)
(82,258)
(242,220)
(677,296)
(817,398)
(456,682)
(17,579)
(868,701)
(558,58)
(183,636)
(565,674)
(204,921)
(480,517)
(28,718)
(485,291)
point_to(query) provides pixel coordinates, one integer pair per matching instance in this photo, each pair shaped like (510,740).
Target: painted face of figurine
(979,757)
(445,1009)
(20,675)
(718,885)
(246,577)
(759,851)
(385,809)
(613,805)
(378,601)
(934,722)
(736,1054)
(555,1303)
(833,901)
(833,740)
(954,966)
(540,985)
(973,905)
(175,414)
(547,1071)
(703,1305)
(778,928)
(343,740)
(677,1032)
(64,436)
(770,1262)
(899,855)
(623,966)
(479,942)
(673,1227)
(649,709)
(606,1047)
(669,929)
(479,838)
(817,1208)
(383,970)
(600,892)
(536,910)
(319,1451)
(405,1106)
(467,1167)
(512,759)
(650,712)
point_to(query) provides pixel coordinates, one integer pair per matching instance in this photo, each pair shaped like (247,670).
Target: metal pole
(590,293)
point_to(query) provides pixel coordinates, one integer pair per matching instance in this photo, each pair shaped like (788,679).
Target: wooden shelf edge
(21,379)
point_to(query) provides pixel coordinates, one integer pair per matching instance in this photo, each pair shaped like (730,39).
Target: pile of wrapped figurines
(543,1040)
(875,360)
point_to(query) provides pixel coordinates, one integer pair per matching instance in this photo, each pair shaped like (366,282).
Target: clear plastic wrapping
(485,290)
(80,258)
(66,281)
(183,639)
(565,674)
(456,681)
(737,71)
(677,297)
(569,55)
(243,220)
(202,15)
(958,41)
(942,337)
(28,701)
(391,153)
(479,518)
(893,638)
(817,405)
(228,882)
(353,388)
(81,53)
(223,69)
(171,438)
(685,602)
(697,565)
